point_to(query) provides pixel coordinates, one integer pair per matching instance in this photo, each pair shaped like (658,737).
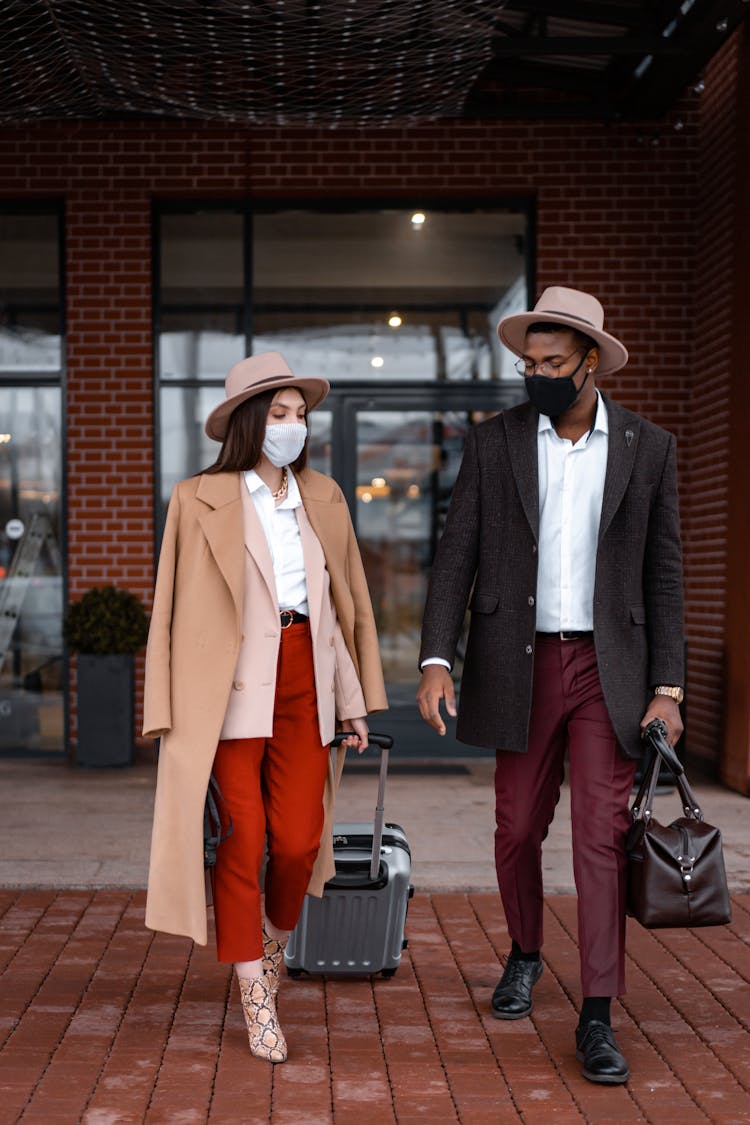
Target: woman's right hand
(360,733)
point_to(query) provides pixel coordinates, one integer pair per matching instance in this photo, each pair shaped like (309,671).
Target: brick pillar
(735,761)
(110,396)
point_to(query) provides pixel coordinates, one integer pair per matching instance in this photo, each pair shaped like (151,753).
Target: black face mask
(553,396)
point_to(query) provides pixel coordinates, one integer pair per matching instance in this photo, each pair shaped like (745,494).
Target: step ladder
(14,587)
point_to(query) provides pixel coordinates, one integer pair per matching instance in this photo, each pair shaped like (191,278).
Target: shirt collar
(601,421)
(293,498)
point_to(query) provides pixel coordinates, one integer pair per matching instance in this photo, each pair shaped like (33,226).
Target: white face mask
(283,442)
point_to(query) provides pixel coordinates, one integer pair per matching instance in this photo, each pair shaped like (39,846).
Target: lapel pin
(628,437)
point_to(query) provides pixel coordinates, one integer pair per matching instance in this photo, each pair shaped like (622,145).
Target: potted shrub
(106,628)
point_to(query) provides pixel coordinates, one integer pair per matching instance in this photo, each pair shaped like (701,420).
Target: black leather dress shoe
(511,999)
(601,1057)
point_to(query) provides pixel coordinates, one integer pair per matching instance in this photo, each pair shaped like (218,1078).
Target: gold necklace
(281,490)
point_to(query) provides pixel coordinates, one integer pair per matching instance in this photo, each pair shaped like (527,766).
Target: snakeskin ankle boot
(263,1031)
(273,958)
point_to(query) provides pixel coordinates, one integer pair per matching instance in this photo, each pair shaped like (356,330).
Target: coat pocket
(638,614)
(483,603)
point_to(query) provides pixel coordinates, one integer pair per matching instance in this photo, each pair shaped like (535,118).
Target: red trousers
(273,788)
(567,711)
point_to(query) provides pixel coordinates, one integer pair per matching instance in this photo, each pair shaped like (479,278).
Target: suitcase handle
(384,742)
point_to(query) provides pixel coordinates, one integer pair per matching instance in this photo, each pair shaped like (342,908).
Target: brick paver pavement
(102,1022)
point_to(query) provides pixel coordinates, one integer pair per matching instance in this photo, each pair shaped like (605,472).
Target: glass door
(400,477)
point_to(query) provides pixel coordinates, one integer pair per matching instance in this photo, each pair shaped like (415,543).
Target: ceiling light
(418,219)
(722,24)
(377,361)
(378,482)
(4,439)
(413,491)
(395,321)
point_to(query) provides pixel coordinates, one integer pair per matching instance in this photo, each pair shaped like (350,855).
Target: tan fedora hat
(574,309)
(264,372)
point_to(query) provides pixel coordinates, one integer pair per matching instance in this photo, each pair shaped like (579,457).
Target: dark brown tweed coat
(487,557)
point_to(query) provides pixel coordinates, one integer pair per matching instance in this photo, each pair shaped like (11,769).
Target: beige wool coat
(215,625)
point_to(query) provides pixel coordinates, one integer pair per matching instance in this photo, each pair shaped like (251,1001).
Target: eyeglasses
(526,366)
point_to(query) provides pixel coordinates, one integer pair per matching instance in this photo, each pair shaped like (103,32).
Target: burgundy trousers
(567,712)
(273,788)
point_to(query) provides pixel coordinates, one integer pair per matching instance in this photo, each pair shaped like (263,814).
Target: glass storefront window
(201,294)
(400,317)
(30,339)
(32,672)
(363,296)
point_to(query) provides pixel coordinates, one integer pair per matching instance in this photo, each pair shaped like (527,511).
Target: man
(563,539)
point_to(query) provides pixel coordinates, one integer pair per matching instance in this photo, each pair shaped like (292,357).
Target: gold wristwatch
(675,693)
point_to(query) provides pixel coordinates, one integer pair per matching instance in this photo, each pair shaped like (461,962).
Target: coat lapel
(222,525)
(314,568)
(521,430)
(624,431)
(328,519)
(256,542)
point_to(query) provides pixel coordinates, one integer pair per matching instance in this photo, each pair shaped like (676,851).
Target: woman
(262,642)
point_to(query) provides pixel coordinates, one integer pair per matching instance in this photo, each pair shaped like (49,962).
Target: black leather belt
(570,635)
(291,617)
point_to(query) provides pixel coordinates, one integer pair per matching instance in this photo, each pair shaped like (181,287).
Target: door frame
(346,400)
(413,738)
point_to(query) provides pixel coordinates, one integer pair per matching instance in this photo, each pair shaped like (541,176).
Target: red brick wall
(707,371)
(615,213)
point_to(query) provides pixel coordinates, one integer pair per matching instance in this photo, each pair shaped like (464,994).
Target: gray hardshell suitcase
(357,927)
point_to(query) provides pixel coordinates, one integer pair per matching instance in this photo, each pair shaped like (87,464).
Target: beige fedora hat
(264,372)
(574,309)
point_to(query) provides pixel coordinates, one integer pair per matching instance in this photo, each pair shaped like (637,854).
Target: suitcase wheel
(295,974)
(388,973)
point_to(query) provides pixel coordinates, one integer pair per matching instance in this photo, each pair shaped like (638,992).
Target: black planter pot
(106,731)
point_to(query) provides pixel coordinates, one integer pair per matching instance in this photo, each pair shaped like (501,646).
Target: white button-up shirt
(283,538)
(571,486)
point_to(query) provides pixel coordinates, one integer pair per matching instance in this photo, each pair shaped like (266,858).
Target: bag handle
(655,737)
(385,742)
(213,833)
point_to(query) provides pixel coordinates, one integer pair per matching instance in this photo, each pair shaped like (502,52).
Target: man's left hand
(665,708)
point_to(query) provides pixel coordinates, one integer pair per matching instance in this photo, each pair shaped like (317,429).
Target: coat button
(239,685)
(331,642)
(529,649)
(531,599)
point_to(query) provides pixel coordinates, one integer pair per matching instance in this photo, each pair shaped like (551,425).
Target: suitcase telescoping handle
(385,742)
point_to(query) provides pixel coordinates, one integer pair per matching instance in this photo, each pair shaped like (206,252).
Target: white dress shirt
(283,538)
(571,486)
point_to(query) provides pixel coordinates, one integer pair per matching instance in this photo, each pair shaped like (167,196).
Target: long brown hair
(246,429)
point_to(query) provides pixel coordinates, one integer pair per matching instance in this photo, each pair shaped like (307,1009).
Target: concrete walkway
(64,827)
(105,1023)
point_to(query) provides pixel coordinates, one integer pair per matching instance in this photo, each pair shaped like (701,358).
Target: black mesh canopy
(357,62)
(276,62)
